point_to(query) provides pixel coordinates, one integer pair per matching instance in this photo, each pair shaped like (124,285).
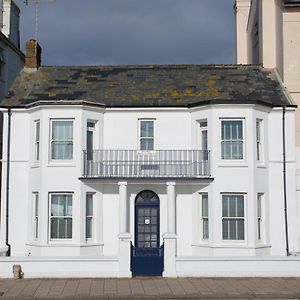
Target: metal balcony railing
(145,164)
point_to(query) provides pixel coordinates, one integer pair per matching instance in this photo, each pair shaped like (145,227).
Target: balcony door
(90,140)
(147,255)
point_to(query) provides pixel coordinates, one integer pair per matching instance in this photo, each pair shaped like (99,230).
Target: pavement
(151,288)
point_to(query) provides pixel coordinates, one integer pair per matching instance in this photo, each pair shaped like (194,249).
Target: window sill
(261,166)
(58,244)
(146,152)
(63,163)
(35,164)
(230,164)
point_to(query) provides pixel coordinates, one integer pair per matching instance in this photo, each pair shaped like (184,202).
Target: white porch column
(170,237)
(171,207)
(124,235)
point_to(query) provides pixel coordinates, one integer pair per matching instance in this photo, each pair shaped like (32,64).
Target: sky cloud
(94,32)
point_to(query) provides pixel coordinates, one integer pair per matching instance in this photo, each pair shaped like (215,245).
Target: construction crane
(37,10)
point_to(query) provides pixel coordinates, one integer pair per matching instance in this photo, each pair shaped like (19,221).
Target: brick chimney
(33,55)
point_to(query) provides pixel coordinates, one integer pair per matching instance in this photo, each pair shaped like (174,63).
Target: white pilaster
(124,235)
(123,206)
(170,237)
(171,207)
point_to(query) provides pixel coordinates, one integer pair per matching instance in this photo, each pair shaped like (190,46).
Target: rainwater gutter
(284,181)
(7,181)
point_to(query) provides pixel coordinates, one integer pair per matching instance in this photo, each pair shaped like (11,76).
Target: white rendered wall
(178,129)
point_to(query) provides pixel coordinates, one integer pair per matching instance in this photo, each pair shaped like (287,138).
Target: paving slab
(151,288)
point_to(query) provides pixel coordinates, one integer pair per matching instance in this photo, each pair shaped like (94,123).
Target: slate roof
(147,86)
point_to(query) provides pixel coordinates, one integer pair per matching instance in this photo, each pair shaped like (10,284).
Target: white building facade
(148,170)
(11,57)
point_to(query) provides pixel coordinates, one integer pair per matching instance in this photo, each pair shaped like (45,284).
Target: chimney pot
(33,55)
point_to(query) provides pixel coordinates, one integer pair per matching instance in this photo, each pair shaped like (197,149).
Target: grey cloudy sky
(94,32)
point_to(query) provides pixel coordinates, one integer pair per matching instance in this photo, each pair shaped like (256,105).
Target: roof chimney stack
(33,55)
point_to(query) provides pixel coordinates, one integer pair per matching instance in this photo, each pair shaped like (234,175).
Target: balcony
(184,164)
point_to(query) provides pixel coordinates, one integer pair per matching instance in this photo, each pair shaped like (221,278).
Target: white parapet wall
(74,267)
(238,267)
(68,267)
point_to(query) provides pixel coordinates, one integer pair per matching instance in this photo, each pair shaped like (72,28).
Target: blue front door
(147,255)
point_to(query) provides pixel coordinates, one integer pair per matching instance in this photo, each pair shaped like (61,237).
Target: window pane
(56,208)
(259,206)
(62,150)
(147,129)
(240,229)
(89,204)
(240,206)
(147,144)
(61,228)
(232,206)
(232,229)
(204,205)
(205,229)
(204,140)
(37,131)
(225,226)
(54,228)
(88,228)
(89,141)
(62,130)
(68,199)
(239,129)
(225,206)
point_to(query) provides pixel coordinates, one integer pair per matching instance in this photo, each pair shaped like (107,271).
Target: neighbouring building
(172,170)
(11,57)
(268,33)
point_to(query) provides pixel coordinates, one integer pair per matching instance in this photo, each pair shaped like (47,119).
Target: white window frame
(71,141)
(91,217)
(259,139)
(140,137)
(234,218)
(204,218)
(52,217)
(242,141)
(37,137)
(260,221)
(35,205)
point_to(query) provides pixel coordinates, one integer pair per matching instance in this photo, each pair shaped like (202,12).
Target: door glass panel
(154,212)
(153,220)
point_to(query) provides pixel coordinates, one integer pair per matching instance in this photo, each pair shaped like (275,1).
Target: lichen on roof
(147,86)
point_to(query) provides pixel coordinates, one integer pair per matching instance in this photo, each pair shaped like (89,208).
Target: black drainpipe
(284,183)
(7,180)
